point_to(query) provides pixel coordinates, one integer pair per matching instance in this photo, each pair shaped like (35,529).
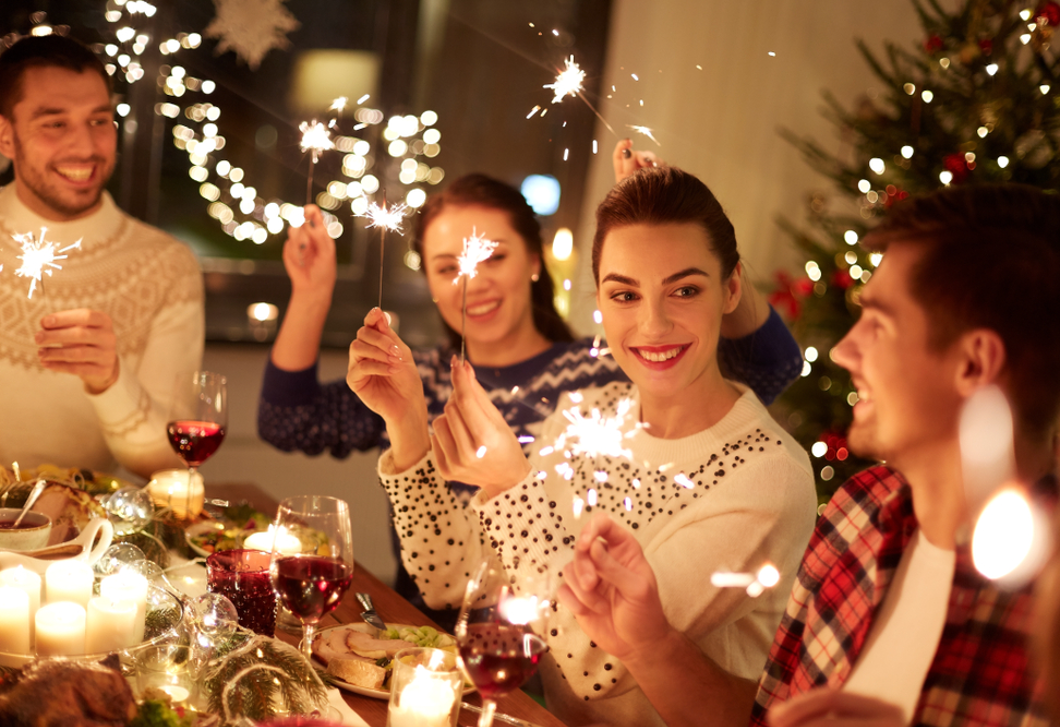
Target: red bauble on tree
(956,165)
(1050,12)
(934,44)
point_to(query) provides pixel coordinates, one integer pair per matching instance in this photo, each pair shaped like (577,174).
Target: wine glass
(497,631)
(197,419)
(311,578)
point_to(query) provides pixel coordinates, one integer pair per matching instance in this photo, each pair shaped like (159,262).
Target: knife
(368,614)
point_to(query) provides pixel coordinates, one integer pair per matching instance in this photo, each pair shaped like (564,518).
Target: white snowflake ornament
(251,28)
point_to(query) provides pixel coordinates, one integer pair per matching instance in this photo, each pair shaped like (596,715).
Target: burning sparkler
(339,104)
(646,131)
(385,218)
(316,139)
(596,434)
(38,257)
(476,249)
(568,82)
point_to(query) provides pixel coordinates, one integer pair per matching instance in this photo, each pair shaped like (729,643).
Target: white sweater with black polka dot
(729,498)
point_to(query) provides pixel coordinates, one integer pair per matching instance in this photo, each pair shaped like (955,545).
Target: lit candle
(28,581)
(179,490)
(128,586)
(69,580)
(111,625)
(426,701)
(286,543)
(60,629)
(14,620)
(176,693)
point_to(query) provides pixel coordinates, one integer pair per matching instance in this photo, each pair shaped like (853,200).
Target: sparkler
(596,434)
(339,104)
(316,139)
(385,219)
(646,131)
(38,257)
(568,82)
(476,249)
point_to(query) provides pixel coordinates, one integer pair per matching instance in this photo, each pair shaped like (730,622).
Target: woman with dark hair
(515,337)
(708,481)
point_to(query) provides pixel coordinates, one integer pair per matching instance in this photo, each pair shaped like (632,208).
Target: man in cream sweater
(88,361)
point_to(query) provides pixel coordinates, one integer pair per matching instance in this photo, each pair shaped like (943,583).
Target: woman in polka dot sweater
(695,467)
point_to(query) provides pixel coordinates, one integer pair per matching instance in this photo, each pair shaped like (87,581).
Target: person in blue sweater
(524,354)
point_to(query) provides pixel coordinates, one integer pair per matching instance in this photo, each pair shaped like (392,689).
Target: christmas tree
(975,102)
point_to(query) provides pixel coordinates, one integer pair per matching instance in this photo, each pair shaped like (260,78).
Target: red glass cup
(243,577)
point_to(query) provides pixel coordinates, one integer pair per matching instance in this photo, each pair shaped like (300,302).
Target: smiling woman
(702,468)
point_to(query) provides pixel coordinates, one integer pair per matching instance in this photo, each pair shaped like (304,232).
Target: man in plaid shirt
(888,623)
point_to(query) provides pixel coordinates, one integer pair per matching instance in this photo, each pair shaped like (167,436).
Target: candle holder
(425,689)
(242,576)
(181,491)
(167,668)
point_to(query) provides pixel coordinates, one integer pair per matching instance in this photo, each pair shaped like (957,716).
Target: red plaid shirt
(980,674)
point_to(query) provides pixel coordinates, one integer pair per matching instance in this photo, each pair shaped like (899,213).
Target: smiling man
(88,362)
(889,623)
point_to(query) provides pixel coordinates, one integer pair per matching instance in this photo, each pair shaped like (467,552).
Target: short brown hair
(660,196)
(42,52)
(478,190)
(990,258)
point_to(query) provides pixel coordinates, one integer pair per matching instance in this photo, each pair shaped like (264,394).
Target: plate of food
(236,523)
(358,656)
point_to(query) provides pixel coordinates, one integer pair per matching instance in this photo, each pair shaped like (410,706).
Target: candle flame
(568,81)
(38,257)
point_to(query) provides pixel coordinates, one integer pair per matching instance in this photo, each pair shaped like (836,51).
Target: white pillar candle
(132,587)
(60,629)
(426,701)
(111,625)
(286,543)
(14,620)
(28,581)
(179,490)
(69,580)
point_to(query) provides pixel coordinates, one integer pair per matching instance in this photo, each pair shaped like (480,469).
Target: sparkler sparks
(568,82)
(476,249)
(386,218)
(38,257)
(339,104)
(646,131)
(596,434)
(316,138)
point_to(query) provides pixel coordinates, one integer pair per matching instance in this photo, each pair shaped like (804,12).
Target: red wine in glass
(195,441)
(311,586)
(499,658)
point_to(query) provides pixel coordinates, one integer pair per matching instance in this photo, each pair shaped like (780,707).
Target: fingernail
(395,351)
(49,320)
(453,362)
(626,153)
(38,337)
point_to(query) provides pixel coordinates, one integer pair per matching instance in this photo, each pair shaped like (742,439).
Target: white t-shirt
(905,636)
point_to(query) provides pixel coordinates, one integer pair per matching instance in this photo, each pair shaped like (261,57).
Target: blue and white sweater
(298,413)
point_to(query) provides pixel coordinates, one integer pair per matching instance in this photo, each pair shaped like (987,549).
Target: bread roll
(359,672)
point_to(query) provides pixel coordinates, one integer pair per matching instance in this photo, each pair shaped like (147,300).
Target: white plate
(206,526)
(364,691)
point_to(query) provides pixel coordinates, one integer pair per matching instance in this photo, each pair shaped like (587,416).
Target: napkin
(348,715)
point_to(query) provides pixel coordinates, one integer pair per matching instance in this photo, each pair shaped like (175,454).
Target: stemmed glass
(197,418)
(310,579)
(497,632)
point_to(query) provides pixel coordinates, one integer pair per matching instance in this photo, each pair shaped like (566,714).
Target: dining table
(393,608)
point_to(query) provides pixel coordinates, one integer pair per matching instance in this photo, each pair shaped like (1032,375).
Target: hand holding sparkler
(316,139)
(611,589)
(472,443)
(309,257)
(626,161)
(80,342)
(383,374)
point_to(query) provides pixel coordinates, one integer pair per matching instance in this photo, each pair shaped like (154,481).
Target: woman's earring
(534,278)
(434,300)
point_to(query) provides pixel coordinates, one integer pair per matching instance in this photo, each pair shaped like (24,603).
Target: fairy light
(39,257)
(754,583)
(568,81)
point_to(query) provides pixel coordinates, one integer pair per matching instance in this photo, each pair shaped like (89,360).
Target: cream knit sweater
(151,287)
(729,498)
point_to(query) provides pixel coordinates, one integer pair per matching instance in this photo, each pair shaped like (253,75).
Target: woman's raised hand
(309,256)
(472,443)
(383,375)
(626,161)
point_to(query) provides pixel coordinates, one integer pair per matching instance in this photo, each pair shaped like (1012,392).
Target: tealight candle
(180,490)
(128,586)
(60,629)
(14,620)
(425,687)
(28,581)
(111,625)
(286,543)
(69,580)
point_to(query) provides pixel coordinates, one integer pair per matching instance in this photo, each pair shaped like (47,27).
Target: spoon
(33,495)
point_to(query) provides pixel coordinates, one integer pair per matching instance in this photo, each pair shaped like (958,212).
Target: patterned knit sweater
(728,498)
(151,287)
(297,413)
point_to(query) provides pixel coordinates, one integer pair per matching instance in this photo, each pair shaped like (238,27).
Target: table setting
(196,604)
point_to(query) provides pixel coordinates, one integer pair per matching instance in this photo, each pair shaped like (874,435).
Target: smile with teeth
(76,173)
(658,356)
(483,308)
